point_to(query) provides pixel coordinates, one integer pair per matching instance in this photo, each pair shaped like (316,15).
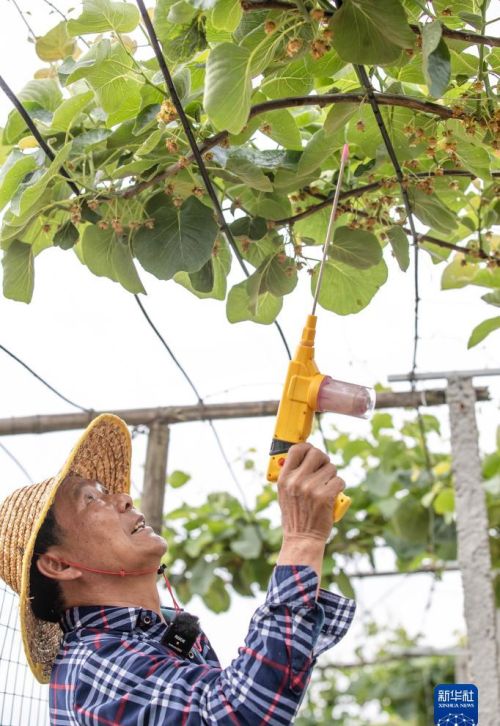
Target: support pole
(153,492)
(473,550)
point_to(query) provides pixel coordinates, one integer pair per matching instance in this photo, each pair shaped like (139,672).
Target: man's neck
(127,592)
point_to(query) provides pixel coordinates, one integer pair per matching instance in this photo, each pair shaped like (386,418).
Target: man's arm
(128,682)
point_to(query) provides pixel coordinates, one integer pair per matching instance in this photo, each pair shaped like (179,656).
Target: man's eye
(90,497)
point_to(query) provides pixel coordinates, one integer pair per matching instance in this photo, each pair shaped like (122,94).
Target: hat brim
(102,453)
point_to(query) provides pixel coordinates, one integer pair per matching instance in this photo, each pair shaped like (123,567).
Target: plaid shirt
(113,669)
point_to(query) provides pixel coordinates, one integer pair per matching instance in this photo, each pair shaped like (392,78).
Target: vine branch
(248,6)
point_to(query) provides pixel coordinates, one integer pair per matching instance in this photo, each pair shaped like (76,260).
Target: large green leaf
(249,173)
(400,246)
(370,31)
(249,544)
(69,110)
(13,171)
(181,239)
(98,16)
(482,330)
(213,273)
(338,116)
(281,126)
(435,58)
(43,91)
(217,598)
(107,68)
(432,212)
(228,87)
(293,79)
(242,305)
(317,151)
(461,272)
(355,247)
(227,14)
(347,290)
(107,256)
(28,194)
(18,272)
(56,44)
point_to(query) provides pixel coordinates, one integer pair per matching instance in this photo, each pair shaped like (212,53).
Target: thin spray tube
(344,157)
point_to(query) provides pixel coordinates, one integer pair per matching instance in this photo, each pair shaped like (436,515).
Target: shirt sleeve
(131,682)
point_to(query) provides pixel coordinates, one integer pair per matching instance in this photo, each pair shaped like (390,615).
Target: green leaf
(98,16)
(435,59)
(317,151)
(283,129)
(217,598)
(107,256)
(355,247)
(181,239)
(69,110)
(227,15)
(445,501)
(220,264)
(124,268)
(344,585)
(18,272)
(66,236)
(29,193)
(460,273)
(249,173)
(202,576)
(432,212)
(178,478)
(253,227)
(345,289)
(293,79)
(475,159)
(248,545)
(181,12)
(493,298)
(482,330)
(381,421)
(400,246)
(56,44)
(371,32)
(107,68)
(228,87)
(43,91)
(241,306)
(14,170)
(338,116)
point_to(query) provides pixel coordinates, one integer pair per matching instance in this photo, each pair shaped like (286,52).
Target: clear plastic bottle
(347,398)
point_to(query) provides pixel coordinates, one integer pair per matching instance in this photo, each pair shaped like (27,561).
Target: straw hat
(103,452)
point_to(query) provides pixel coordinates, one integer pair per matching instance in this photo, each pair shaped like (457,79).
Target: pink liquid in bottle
(347,398)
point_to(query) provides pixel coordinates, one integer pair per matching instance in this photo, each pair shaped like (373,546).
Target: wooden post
(473,550)
(155,472)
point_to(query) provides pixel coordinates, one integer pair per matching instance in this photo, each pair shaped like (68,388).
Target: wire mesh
(23,701)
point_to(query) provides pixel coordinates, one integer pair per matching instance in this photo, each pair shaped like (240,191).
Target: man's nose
(123,501)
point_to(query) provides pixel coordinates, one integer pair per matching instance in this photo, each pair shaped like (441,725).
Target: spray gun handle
(276,463)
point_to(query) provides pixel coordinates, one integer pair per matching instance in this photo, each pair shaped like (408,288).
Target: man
(85,565)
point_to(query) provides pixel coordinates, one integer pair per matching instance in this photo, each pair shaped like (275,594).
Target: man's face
(102,530)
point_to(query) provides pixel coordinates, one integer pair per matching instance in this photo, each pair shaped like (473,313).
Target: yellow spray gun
(306,390)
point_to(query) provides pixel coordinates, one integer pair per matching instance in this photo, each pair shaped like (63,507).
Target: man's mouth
(139,525)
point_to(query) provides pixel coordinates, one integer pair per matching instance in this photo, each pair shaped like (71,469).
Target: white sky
(87,337)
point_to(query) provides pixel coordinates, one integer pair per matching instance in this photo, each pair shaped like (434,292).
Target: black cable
(199,399)
(42,380)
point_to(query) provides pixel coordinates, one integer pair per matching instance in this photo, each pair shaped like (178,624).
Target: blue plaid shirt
(112,668)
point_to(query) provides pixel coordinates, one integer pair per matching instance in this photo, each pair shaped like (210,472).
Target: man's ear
(56,569)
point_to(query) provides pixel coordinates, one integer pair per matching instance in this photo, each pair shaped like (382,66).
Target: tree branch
(248,6)
(385,99)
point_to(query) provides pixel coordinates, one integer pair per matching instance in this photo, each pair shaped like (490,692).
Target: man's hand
(307,487)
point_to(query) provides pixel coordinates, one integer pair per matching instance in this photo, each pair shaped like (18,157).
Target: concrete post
(473,550)
(153,492)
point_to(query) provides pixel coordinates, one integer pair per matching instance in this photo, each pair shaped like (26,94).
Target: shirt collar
(104,617)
